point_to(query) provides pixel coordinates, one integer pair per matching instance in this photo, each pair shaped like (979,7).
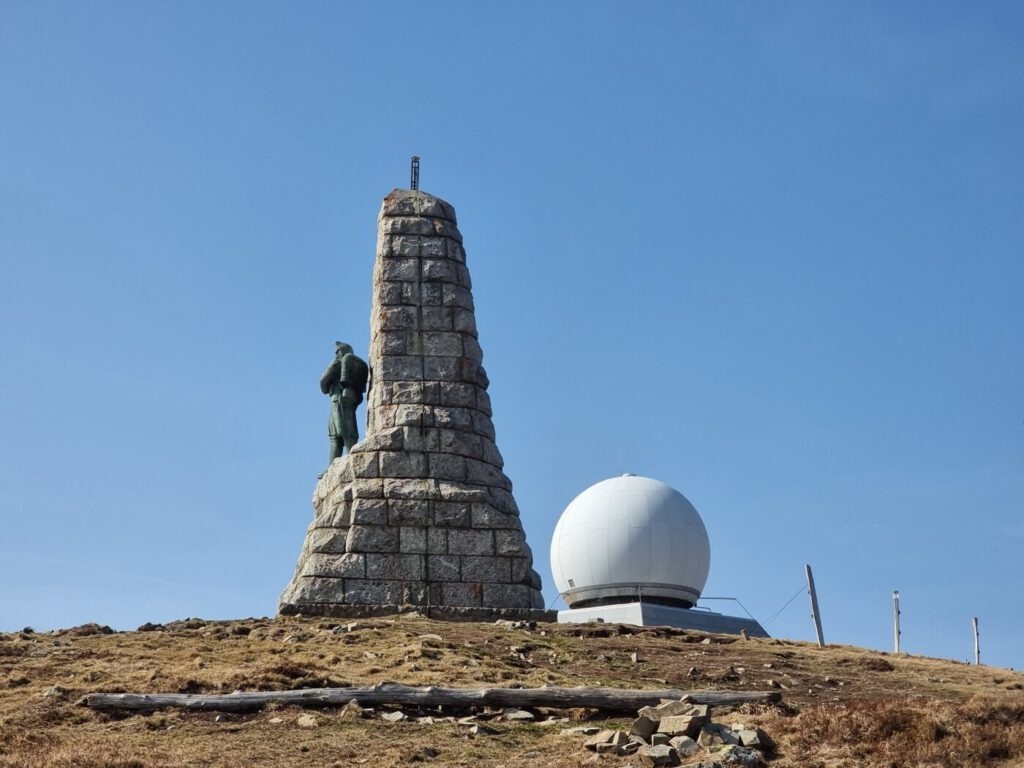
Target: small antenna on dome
(414,173)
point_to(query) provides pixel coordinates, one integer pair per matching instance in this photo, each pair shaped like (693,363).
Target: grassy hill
(842,706)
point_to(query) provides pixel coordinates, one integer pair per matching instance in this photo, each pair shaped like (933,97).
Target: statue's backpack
(355,372)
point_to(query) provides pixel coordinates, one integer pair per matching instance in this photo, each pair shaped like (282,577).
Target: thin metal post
(977,646)
(814,606)
(896,620)
(414,173)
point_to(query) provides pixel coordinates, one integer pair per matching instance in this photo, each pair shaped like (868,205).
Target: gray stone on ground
(735,755)
(643,727)
(714,734)
(667,709)
(754,737)
(684,745)
(682,725)
(659,755)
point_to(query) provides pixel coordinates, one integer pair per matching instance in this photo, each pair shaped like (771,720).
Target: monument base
(654,615)
(439,612)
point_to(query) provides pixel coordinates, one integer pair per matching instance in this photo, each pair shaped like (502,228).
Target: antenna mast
(414,173)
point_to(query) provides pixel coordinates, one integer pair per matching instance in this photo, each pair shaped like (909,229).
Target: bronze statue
(345,382)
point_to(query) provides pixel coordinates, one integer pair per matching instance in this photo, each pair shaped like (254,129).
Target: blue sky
(770,254)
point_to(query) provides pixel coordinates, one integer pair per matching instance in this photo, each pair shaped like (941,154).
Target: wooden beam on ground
(607,699)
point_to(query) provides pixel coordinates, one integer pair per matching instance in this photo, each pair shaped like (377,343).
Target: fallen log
(606,699)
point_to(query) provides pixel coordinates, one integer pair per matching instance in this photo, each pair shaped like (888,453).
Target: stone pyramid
(420,512)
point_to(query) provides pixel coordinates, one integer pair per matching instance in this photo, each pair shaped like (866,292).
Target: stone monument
(419,514)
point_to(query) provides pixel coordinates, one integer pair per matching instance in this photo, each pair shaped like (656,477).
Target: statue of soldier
(345,382)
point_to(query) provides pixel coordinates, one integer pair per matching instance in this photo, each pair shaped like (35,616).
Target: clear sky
(769,253)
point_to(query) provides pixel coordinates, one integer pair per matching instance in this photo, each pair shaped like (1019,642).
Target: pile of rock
(673,731)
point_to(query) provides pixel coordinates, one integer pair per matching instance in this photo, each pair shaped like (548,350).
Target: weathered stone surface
(470,542)
(667,709)
(447,466)
(407,489)
(601,737)
(735,755)
(713,734)
(366,592)
(512,595)
(497,569)
(509,542)
(412,539)
(394,567)
(681,725)
(486,516)
(349,565)
(420,512)
(372,538)
(661,754)
(369,512)
(754,737)
(403,512)
(462,594)
(443,568)
(451,514)
(327,540)
(643,727)
(684,746)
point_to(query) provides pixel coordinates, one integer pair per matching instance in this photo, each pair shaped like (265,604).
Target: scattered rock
(713,734)
(755,738)
(307,721)
(55,692)
(666,709)
(580,730)
(517,715)
(553,721)
(643,727)
(684,746)
(607,738)
(351,711)
(151,627)
(681,725)
(634,657)
(481,730)
(657,739)
(276,720)
(659,755)
(393,717)
(736,755)
(92,628)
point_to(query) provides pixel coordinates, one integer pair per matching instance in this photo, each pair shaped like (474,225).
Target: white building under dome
(634,550)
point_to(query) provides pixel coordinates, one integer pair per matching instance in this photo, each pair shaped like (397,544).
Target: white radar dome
(626,538)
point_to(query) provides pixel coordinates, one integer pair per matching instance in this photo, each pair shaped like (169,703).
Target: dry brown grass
(843,706)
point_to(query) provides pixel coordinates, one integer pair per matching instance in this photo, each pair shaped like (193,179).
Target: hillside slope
(842,706)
